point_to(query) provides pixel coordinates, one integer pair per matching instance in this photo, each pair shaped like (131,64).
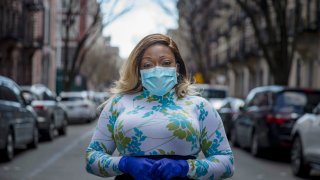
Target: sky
(145,17)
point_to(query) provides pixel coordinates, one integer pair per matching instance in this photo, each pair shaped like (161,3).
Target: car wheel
(63,129)
(8,151)
(35,138)
(88,120)
(233,137)
(50,133)
(298,165)
(255,145)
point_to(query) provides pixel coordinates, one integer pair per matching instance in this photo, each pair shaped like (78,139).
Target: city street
(257,63)
(64,159)
(60,159)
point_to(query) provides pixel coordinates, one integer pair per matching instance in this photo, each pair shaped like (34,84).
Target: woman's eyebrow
(147,57)
(165,56)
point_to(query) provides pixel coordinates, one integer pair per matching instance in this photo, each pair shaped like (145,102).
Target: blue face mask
(159,80)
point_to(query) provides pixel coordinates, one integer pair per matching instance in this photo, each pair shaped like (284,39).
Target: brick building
(18,42)
(28,41)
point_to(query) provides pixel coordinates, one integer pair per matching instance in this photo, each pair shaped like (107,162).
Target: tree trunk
(281,75)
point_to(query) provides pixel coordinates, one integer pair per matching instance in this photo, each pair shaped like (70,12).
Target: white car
(79,106)
(305,152)
(215,94)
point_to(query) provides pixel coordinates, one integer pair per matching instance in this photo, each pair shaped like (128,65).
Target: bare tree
(199,33)
(166,6)
(275,30)
(102,66)
(91,34)
(195,32)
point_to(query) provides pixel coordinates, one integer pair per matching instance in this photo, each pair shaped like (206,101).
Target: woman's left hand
(168,168)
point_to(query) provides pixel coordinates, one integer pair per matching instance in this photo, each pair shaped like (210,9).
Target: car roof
(8,81)
(74,93)
(37,89)
(3,78)
(276,89)
(209,86)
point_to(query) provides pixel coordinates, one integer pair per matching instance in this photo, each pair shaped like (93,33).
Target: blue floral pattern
(134,145)
(145,124)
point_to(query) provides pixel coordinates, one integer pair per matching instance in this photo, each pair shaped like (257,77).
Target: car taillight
(39,107)
(276,119)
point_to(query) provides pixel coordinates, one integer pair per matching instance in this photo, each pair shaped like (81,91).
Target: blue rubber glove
(136,167)
(168,168)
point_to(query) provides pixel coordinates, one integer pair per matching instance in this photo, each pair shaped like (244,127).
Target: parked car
(230,108)
(268,116)
(99,98)
(79,106)
(305,152)
(214,94)
(51,115)
(18,121)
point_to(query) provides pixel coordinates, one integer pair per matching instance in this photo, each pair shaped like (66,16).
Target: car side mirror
(26,97)
(242,108)
(27,102)
(316,110)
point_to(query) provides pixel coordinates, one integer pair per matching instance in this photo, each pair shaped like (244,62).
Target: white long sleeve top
(144,124)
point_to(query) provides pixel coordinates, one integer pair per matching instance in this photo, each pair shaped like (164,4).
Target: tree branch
(83,41)
(265,9)
(164,6)
(296,27)
(262,45)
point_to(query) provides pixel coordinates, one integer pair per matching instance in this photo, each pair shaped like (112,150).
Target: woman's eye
(166,63)
(147,65)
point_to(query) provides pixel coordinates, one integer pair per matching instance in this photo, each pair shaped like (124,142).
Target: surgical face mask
(159,80)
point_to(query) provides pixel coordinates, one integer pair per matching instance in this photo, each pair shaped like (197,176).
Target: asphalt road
(60,159)
(63,159)
(272,166)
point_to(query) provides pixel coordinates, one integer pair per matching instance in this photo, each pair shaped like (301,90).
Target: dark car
(50,114)
(18,122)
(268,116)
(228,110)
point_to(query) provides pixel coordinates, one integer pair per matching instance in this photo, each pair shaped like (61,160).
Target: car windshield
(213,93)
(72,98)
(296,101)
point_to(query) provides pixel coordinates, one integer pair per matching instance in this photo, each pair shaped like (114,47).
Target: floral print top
(144,124)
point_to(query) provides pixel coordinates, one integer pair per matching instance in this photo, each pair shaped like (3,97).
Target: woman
(157,123)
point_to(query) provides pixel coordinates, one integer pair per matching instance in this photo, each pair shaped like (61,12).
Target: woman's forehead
(158,50)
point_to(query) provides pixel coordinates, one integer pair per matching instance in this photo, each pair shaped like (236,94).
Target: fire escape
(17,40)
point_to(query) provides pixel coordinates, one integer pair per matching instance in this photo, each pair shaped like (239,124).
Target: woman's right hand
(139,168)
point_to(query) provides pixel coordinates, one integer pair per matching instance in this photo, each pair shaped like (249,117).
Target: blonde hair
(129,82)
